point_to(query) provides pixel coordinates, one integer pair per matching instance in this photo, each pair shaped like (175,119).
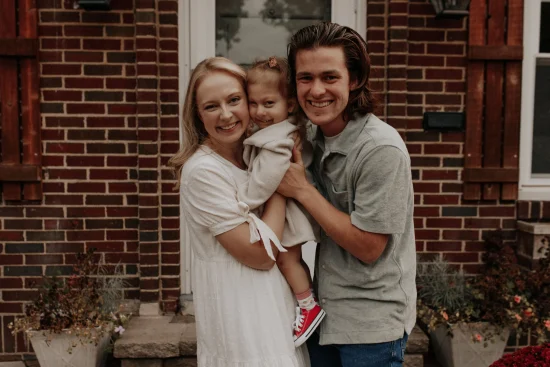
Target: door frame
(198,18)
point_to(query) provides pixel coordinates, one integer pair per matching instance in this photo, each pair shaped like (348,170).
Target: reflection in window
(250,29)
(541,120)
(544,44)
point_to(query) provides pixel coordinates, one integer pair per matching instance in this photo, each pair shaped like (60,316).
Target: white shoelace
(298,323)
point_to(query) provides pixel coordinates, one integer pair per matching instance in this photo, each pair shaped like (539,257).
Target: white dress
(244,316)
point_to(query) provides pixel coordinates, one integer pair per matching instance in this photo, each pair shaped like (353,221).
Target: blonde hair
(192,127)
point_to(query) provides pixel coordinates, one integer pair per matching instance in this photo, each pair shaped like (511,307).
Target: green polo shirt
(365,172)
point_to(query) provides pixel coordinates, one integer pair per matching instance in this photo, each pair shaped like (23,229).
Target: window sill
(541,193)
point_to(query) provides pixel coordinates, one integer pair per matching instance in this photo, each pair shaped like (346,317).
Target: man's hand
(294,180)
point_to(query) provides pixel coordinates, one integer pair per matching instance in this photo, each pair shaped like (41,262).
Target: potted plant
(536,356)
(470,318)
(72,321)
(448,306)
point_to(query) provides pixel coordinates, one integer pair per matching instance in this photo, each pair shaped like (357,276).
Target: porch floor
(170,341)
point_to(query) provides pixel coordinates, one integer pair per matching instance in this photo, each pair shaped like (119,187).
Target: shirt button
(323,266)
(324,300)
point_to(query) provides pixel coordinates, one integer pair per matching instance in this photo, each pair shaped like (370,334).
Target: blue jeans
(389,354)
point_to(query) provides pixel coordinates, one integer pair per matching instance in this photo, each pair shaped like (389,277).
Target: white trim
(203,29)
(197,34)
(184,63)
(361,18)
(530,188)
(184,59)
(534,193)
(356,19)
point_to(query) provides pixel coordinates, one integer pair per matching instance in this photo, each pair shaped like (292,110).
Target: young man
(366,261)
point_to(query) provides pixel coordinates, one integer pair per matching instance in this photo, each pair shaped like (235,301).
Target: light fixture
(95,4)
(450,8)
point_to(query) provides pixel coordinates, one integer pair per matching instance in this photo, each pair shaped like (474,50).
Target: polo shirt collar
(343,142)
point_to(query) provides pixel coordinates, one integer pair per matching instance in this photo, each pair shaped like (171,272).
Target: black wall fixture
(95,4)
(443,121)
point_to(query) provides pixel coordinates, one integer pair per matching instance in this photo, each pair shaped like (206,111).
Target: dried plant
(84,305)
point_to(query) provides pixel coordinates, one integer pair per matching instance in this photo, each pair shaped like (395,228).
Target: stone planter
(55,352)
(533,242)
(460,350)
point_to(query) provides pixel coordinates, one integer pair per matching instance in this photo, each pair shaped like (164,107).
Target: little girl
(267,153)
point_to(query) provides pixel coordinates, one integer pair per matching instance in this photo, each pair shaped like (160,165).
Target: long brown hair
(327,34)
(192,127)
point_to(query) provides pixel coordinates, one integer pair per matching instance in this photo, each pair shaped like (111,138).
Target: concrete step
(171,341)
(157,337)
(417,345)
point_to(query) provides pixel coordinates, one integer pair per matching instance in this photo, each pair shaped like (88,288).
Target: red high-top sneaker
(306,323)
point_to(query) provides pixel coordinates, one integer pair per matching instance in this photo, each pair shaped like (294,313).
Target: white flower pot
(460,350)
(55,353)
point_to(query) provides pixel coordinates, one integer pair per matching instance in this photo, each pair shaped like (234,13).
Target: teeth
(229,127)
(320,104)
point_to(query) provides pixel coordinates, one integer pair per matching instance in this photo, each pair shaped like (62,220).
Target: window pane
(541,124)
(545,27)
(251,29)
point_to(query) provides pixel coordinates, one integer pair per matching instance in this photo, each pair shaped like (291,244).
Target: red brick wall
(420,65)
(109,114)
(534,211)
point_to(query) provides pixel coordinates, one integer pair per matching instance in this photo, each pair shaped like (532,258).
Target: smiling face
(323,85)
(223,109)
(266,104)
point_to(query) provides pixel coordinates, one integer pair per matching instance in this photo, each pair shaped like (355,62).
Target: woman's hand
(295,180)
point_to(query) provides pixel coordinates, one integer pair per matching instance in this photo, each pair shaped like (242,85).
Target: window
(535,106)
(249,30)
(244,30)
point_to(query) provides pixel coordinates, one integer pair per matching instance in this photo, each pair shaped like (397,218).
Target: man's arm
(364,245)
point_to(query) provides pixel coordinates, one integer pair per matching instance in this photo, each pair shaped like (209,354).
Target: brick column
(397,61)
(148,124)
(377,44)
(169,145)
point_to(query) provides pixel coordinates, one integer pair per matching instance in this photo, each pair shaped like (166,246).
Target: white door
(243,30)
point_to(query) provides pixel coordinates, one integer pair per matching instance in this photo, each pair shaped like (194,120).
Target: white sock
(308,303)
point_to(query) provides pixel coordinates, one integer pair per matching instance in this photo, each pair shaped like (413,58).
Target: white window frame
(197,34)
(530,188)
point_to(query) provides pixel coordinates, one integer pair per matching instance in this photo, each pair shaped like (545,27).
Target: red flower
(538,356)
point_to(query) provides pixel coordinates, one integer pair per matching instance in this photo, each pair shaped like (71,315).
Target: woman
(244,307)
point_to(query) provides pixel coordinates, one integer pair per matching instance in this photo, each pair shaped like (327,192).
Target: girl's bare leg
(296,273)
(290,264)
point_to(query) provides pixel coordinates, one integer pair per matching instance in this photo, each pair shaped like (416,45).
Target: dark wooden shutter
(494,100)
(20,170)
